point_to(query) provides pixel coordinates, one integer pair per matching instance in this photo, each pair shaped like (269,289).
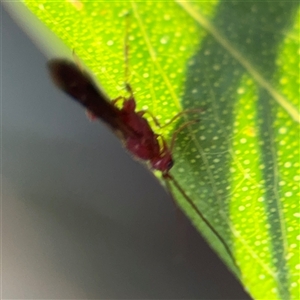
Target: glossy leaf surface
(237,62)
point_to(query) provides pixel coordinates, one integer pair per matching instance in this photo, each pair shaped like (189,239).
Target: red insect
(130,125)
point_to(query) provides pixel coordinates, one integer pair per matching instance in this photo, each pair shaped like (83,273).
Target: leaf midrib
(281,100)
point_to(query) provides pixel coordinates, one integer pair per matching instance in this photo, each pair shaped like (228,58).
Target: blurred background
(80,217)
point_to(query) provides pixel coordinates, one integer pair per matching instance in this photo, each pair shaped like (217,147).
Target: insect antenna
(167,178)
(126,54)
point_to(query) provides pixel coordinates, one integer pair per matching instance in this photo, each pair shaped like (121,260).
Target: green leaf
(237,62)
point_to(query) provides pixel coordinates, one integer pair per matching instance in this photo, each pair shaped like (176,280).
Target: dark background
(80,217)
